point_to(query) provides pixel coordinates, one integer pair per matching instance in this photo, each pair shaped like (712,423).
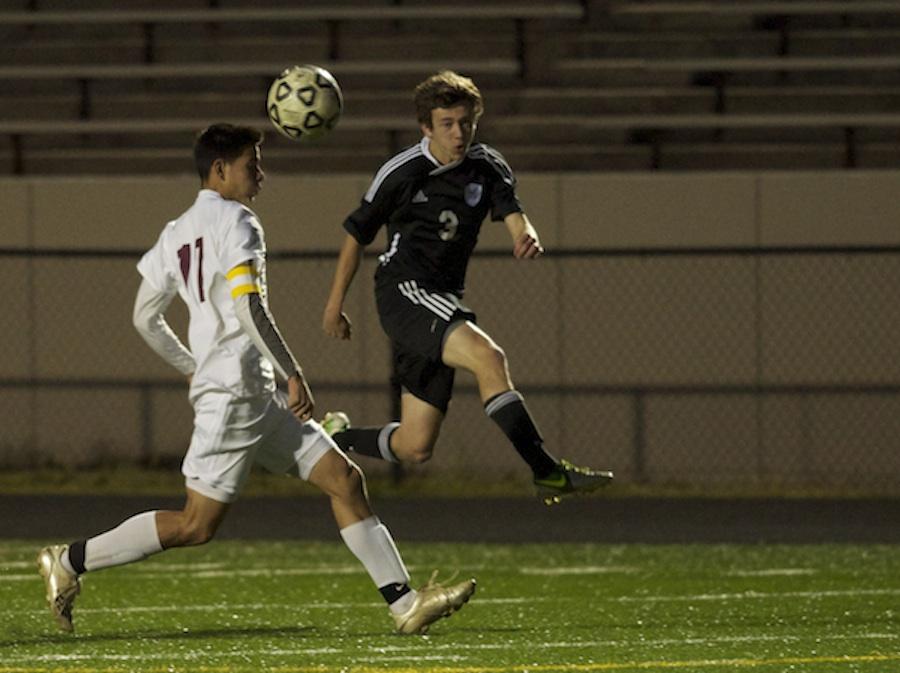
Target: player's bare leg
(195,524)
(343,483)
(469,347)
(420,424)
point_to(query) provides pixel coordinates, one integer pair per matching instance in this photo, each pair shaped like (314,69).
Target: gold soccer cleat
(433,601)
(569,480)
(62,586)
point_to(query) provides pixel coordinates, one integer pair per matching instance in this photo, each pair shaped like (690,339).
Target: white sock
(371,542)
(66,563)
(404,603)
(132,540)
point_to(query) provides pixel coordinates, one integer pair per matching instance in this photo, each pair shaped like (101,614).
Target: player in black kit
(433,197)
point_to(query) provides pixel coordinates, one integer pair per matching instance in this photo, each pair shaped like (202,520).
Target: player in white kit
(213,257)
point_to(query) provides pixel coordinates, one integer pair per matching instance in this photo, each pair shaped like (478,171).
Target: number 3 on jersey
(184,258)
(451,223)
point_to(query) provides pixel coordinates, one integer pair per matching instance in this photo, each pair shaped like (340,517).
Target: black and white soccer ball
(305,102)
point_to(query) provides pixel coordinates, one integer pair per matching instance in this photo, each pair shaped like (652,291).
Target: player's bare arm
(335,322)
(300,398)
(526,244)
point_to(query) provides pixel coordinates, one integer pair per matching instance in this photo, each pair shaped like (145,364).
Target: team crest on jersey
(473,193)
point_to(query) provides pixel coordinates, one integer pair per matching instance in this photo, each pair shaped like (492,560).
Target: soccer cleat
(335,422)
(62,586)
(569,479)
(432,602)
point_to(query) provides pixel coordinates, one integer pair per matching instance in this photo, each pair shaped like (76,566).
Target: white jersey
(192,257)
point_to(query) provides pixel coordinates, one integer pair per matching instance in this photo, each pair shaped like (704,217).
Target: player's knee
(420,452)
(354,481)
(414,443)
(348,482)
(491,357)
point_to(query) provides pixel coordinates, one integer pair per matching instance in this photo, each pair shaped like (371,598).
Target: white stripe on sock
(384,442)
(502,400)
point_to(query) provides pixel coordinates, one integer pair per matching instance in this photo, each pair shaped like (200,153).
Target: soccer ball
(305,102)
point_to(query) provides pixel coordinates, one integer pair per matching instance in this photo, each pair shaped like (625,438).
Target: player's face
(243,177)
(451,132)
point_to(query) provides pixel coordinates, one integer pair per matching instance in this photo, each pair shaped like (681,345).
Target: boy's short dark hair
(222,141)
(446,89)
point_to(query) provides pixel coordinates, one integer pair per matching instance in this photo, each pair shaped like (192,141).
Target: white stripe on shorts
(437,298)
(417,296)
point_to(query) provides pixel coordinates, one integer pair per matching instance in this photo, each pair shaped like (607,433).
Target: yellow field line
(518,668)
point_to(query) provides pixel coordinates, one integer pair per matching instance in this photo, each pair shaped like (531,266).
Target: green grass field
(298,607)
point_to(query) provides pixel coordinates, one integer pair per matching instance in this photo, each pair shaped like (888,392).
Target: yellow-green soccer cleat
(62,586)
(432,602)
(569,479)
(335,422)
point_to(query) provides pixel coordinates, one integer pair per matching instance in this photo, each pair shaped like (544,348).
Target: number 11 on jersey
(185,258)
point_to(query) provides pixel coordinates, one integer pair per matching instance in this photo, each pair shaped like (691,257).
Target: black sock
(76,556)
(394,592)
(373,442)
(508,410)
(359,440)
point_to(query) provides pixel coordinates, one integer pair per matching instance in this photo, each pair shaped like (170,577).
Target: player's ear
(217,169)
(426,130)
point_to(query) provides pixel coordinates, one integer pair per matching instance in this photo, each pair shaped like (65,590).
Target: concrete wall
(641,323)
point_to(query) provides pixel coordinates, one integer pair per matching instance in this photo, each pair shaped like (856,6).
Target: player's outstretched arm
(149,320)
(335,322)
(526,244)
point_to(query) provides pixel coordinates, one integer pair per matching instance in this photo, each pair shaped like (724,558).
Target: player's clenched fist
(336,324)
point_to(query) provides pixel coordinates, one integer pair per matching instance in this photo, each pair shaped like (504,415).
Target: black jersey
(433,213)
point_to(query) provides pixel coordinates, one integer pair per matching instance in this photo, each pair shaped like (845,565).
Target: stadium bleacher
(88,86)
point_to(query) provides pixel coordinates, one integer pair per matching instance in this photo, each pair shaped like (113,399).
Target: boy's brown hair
(446,89)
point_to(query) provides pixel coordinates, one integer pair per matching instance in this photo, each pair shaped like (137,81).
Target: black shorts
(416,320)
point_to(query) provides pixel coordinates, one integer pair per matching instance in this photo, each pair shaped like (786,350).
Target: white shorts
(231,435)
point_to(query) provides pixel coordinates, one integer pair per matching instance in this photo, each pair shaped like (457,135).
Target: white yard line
(415,651)
(753,595)
(579,570)
(772,572)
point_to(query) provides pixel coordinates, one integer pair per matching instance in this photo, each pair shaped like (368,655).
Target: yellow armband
(242,280)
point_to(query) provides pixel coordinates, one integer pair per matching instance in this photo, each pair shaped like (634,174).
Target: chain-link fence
(774,369)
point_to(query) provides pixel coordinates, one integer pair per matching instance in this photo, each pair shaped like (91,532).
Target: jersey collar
(209,193)
(425,144)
